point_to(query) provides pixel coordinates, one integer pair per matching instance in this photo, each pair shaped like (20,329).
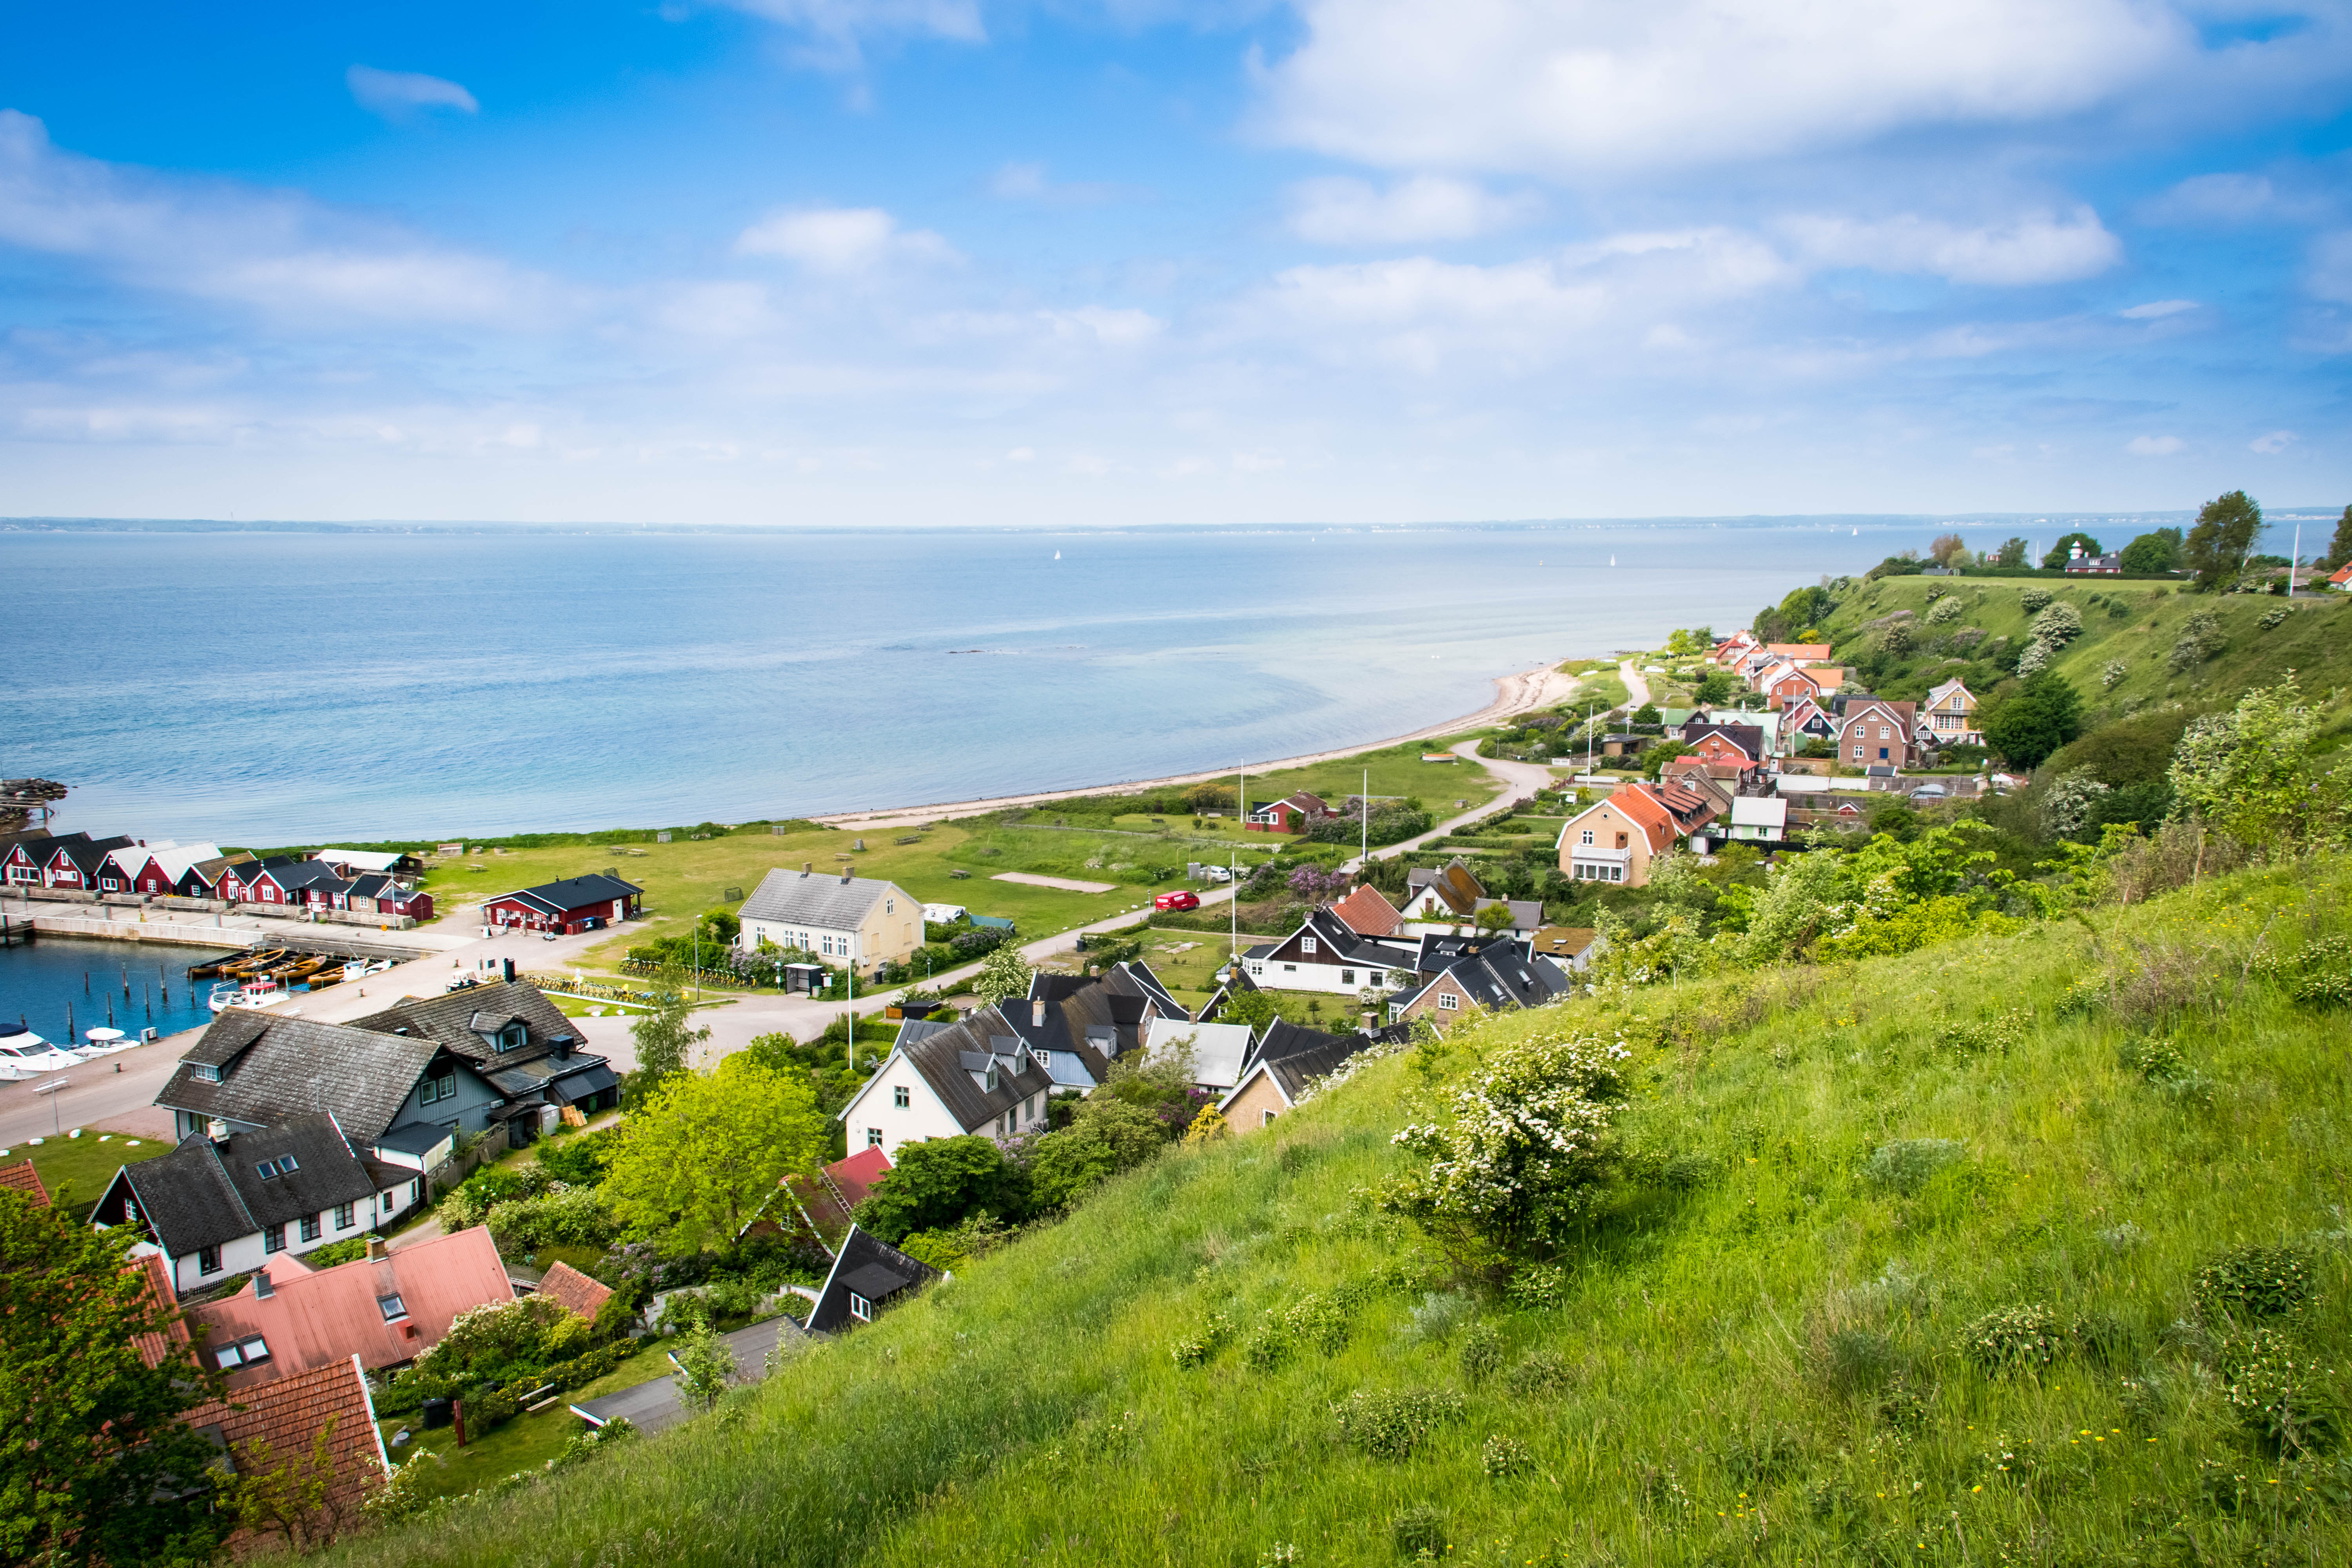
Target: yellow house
(857,922)
(1614,840)
(1951,716)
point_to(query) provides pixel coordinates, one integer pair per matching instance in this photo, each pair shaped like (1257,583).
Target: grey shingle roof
(450,1020)
(865,1261)
(201,1194)
(814,898)
(299,1066)
(939,1059)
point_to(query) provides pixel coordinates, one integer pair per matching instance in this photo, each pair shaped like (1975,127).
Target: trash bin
(436,1414)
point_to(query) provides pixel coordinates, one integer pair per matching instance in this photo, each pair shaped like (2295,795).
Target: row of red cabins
(359,881)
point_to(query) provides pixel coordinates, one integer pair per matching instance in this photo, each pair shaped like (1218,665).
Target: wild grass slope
(1756,1355)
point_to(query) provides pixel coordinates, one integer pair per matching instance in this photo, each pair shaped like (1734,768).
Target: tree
(1255,1008)
(705,1365)
(1647,713)
(2339,549)
(700,1156)
(1715,686)
(2059,553)
(1316,885)
(1207,1128)
(95,1464)
(2041,715)
(291,1499)
(662,1036)
(2012,551)
(1655,760)
(939,1181)
(2158,551)
(2254,773)
(1493,917)
(2217,546)
(1004,976)
(1947,549)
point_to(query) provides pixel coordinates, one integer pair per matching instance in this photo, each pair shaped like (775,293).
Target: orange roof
(287,1416)
(2343,574)
(157,1348)
(855,1177)
(1367,913)
(573,1291)
(26,1180)
(314,1317)
(1828,678)
(1637,804)
(1815,650)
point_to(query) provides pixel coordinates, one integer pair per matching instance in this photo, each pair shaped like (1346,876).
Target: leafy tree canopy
(937,1181)
(1004,976)
(2254,773)
(2041,715)
(93,1458)
(2339,549)
(702,1154)
(2217,548)
(2011,552)
(2158,551)
(663,1035)
(2133,751)
(2061,551)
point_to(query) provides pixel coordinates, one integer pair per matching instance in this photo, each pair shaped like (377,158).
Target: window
(286,1163)
(309,1228)
(1306,944)
(1346,977)
(209,1260)
(901,1097)
(274,1240)
(889,906)
(1587,836)
(442,1088)
(392,1307)
(1257,967)
(873,1138)
(345,1218)
(1265,1118)
(250,1351)
(1445,1003)
(1882,732)
(860,1308)
(1290,969)
(827,946)
(266,1169)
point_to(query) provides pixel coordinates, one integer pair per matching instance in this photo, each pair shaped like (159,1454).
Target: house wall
(890,930)
(1606,821)
(1251,1108)
(242,1256)
(875,1107)
(1443,1002)
(469,1110)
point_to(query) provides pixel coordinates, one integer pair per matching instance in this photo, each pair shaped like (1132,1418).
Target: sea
(276,688)
(62,989)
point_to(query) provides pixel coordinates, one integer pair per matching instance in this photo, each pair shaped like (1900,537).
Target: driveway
(651,1406)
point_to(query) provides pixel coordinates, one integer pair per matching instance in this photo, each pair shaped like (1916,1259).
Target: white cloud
(1424,207)
(2154,446)
(1584,87)
(2040,247)
(840,239)
(837,30)
(2206,198)
(725,312)
(1104,325)
(2275,442)
(1029,183)
(2156,309)
(393,94)
(2331,267)
(282,254)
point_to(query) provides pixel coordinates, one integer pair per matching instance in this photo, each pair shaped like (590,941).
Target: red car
(1179,900)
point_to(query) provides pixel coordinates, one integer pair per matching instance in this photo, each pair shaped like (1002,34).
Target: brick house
(1876,732)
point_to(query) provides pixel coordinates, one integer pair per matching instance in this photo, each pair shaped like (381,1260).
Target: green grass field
(525,1443)
(1773,1344)
(76,1169)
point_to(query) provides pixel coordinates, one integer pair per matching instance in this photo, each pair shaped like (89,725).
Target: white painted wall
(1273,974)
(876,1106)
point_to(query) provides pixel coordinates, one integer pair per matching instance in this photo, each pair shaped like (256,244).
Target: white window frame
(860,1308)
(1446,1001)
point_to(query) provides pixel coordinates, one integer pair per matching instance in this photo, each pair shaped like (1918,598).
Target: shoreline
(1524,692)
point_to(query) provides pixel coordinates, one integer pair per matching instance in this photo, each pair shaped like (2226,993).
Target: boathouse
(574,904)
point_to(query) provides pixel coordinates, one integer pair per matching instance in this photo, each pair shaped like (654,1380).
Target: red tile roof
(573,1291)
(314,1317)
(25,1179)
(1812,650)
(855,1176)
(287,1416)
(1367,913)
(1635,802)
(154,1349)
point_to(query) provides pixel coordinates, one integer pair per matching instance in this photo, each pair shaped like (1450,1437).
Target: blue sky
(950,261)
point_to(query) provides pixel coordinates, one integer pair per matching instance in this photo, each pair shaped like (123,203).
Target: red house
(574,904)
(1289,815)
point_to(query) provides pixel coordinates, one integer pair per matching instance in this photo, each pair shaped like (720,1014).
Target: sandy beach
(1530,690)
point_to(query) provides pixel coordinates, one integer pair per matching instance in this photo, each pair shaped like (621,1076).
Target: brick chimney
(375,1250)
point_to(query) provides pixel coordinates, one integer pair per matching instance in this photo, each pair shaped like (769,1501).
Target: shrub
(582,1446)
(2034,598)
(2113,675)
(1418,1531)
(1947,610)
(1858,1360)
(487,1407)
(560,1216)
(1906,1165)
(2258,1282)
(2057,626)
(1480,1353)
(1996,1035)
(1196,1348)
(2279,1394)
(1437,1317)
(1268,1345)
(1895,637)
(2156,1059)
(1391,1426)
(580,1159)
(1539,1376)
(2200,638)
(2014,1339)
(1317,1323)
(1540,1287)
(1506,1456)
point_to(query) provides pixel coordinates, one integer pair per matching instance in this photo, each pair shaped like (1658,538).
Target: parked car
(1177,900)
(1216,873)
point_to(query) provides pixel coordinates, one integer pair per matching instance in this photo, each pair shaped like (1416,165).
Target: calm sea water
(116,985)
(270,689)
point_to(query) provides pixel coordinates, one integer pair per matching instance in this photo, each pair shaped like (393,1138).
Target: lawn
(1395,771)
(85,1164)
(525,1443)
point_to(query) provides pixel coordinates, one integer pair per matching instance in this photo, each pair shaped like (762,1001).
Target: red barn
(574,904)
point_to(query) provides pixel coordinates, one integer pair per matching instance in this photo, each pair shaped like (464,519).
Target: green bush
(1198,1347)
(578,1159)
(1905,1166)
(1504,1458)
(2258,1282)
(2014,1339)
(1391,1426)
(560,1217)
(1418,1531)
(1481,1354)
(2279,1394)
(1539,1376)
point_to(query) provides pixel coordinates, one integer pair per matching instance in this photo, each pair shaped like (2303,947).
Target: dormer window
(205,1072)
(392,1307)
(250,1351)
(860,1308)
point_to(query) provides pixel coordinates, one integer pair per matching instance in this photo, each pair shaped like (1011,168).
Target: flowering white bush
(1523,1156)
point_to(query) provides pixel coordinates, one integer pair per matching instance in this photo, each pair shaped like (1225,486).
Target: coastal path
(1637,685)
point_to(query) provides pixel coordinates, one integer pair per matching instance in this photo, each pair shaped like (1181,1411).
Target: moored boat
(259,992)
(24,1054)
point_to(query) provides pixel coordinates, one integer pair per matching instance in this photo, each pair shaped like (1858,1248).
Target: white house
(857,920)
(1760,818)
(1219,1050)
(948,1080)
(1323,954)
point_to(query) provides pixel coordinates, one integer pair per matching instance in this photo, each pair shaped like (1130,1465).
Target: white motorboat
(105,1042)
(259,992)
(24,1053)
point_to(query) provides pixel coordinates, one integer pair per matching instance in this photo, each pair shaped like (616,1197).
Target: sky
(1056,262)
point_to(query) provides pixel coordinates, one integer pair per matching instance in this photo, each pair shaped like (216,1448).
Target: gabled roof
(1954,686)
(314,1317)
(1501,975)
(457,1020)
(362,859)
(1294,1069)
(1759,811)
(1455,884)
(1747,738)
(87,855)
(23,1178)
(1219,1050)
(286,1067)
(871,1268)
(570,893)
(1562,942)
(939,1059)
(1815,651)
(573,1291)
(1367,913)
(1635,803)
(815,898)
(206,1195)
(286,1418)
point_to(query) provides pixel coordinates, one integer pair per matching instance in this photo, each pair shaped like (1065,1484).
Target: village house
(2082,563)
(1291,814)
(22,1177)
(571,906)
(1571,948)
(1759,819)
(205,879)
(1809,719)
(77,860)
(1076,1026)
(1365,910)
(1445,898)
(867,1275)
(157,868)
(858,922)
(1287,1061)
(1741,745)
(1949,715)
(1499,975)
(1324,954)
(357,862)
(1614,840)
(385,1309)
(214,1208)
(1877,732)
(1218,1051)
(971,1076)
(2341,580)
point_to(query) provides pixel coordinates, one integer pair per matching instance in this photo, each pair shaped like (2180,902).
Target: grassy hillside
(2134,623)
(1772,1345)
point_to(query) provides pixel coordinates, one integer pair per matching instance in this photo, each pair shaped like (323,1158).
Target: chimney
(262,1287)
(1037,1013)
(375,1250)
(218,1130)
(510,970)
(845,874)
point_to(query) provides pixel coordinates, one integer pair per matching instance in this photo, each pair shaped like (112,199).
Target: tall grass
(1771,1348)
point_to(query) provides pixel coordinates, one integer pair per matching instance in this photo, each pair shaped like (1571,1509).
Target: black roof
(274,1068)
(940,1057)
(571,892)
(874,1269)
(204,1195)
